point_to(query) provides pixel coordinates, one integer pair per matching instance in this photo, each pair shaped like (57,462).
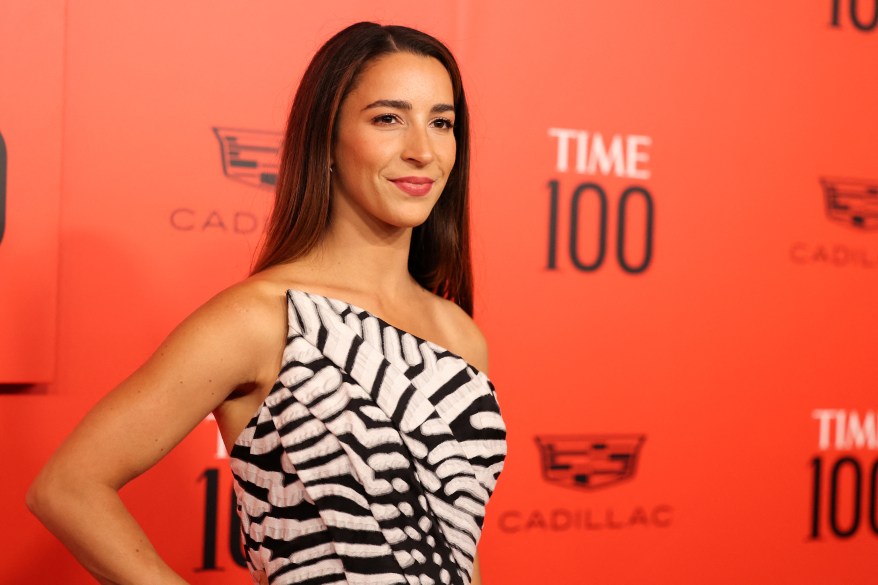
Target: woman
(372,454)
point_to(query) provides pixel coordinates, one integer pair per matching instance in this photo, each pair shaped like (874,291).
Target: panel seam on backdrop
(61,175)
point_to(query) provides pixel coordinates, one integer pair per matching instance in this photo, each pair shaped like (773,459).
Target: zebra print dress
(372,458)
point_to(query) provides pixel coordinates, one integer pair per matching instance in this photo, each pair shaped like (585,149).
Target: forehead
(414,78)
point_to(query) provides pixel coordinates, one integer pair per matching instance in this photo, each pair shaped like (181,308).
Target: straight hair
(439,257)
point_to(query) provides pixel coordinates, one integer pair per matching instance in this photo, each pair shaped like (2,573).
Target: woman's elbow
(50,490)
(41,493)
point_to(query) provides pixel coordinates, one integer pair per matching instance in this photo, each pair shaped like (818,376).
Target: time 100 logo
(589,153)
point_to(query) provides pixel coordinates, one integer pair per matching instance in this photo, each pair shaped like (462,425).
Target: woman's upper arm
(214,351)
(477,572)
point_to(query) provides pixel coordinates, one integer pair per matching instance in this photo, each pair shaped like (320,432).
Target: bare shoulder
(249,309)
(253,304)
(254,311)
(463,335)
(241,331)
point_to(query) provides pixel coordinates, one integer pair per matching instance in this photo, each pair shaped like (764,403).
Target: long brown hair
(439,257)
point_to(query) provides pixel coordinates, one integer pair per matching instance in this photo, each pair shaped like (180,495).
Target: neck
(363,256)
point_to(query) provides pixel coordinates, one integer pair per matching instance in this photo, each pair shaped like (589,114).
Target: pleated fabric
(371,460)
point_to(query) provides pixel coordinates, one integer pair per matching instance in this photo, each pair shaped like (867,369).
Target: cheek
(451,156)
(353,150)
(367,156)
(446,149)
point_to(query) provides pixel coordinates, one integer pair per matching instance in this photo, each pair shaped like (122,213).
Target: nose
(418,146)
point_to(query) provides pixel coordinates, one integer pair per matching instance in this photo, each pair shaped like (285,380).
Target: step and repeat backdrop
(675,215)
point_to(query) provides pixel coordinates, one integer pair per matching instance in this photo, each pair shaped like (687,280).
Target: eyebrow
(404,105)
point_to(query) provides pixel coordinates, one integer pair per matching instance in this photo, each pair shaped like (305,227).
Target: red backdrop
(676,227)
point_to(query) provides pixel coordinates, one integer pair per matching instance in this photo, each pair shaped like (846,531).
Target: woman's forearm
(93,523)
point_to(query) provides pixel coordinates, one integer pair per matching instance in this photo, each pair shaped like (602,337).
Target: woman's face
(395,145)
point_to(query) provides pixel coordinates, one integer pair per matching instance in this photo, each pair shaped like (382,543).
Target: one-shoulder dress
(372,458)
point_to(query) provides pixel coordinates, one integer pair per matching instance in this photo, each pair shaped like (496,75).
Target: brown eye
(443,123)
(385,119)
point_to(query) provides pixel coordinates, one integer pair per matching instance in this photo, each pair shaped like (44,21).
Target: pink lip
(416,186)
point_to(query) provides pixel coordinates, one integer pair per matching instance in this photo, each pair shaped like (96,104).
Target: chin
(412,219)
(410,223)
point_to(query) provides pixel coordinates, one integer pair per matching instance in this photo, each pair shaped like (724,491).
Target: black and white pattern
(372,458)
